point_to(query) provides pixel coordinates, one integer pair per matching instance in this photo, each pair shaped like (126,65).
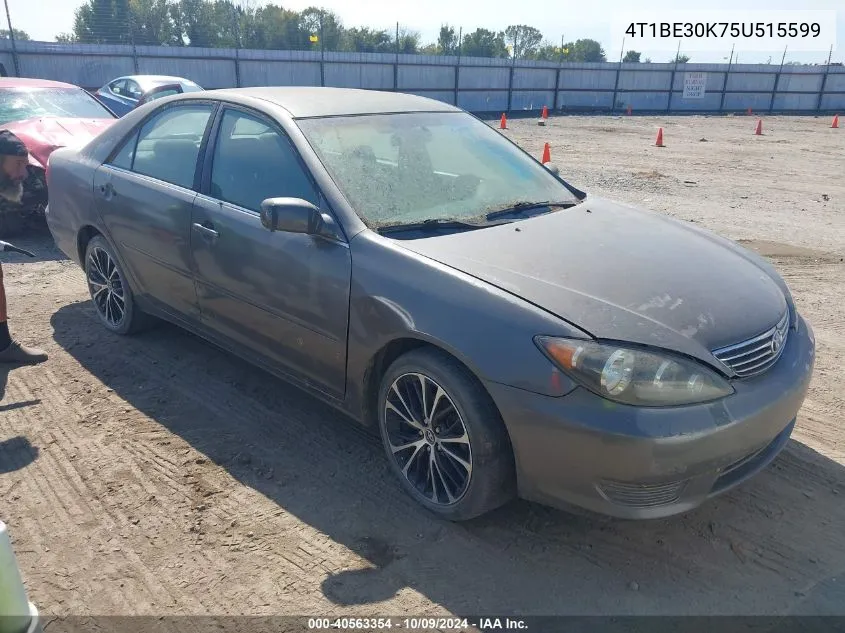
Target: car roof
(307,101)
(29,82)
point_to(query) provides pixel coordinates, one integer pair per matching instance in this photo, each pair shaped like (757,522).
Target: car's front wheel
(110,292)
(444,437)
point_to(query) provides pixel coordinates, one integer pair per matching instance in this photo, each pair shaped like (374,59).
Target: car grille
(642,495)
(758,354)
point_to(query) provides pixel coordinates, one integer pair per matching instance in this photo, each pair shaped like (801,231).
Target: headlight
(635,376)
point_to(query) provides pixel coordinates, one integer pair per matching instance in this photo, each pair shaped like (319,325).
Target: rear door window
(169,144)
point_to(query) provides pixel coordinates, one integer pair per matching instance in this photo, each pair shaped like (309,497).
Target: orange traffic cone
(659,142)
(835,123)
(749,111)
(547,154)
(545,114)
(759,129)
(503,124)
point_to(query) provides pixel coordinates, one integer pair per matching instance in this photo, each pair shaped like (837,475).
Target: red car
(45,115)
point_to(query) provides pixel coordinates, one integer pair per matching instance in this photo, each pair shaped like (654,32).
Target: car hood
(624,274)
(43,135)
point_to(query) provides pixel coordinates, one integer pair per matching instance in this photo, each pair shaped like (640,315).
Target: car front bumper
(636,462)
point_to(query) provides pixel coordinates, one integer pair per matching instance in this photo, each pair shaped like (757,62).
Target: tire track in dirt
(206,400)
(108,515)
(42,482)
(46,529)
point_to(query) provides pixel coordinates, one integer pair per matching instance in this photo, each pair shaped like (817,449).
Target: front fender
(396,294)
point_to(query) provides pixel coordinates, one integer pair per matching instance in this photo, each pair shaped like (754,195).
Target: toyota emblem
(777,341)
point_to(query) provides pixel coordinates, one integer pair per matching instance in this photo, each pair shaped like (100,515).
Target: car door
(145,195)
(283,296)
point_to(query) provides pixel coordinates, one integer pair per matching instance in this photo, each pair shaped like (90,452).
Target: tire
(100,264)
(463,410)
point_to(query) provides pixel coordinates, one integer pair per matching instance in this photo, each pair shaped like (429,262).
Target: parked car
(124,94)
(45,115)
(506,333)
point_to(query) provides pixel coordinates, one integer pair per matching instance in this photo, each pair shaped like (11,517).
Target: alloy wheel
(106,286)
(428,438)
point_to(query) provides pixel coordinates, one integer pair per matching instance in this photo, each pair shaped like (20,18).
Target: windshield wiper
(432,224)
(520,207)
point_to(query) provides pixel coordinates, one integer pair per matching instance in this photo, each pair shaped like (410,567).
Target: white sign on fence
(694,85)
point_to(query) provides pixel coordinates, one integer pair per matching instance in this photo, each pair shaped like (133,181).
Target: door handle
(107,191)
(206,230)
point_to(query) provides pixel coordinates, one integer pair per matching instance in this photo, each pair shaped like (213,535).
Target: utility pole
(12,40)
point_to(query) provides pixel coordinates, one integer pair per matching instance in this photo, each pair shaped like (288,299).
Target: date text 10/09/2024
(679,30)
(418,624)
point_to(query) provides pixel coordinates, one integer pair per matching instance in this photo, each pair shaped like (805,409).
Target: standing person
(14,159)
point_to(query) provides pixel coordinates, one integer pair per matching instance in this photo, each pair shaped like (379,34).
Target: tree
(102,22)
(366,40)
(547,52)
(65,38)
(447,41)
(19,35)
(217,24)
(273,28)
(484,43)
(152,23)
(409,41)
(324,24)
(632,56)
(524,40)
(680,59)
(586,50)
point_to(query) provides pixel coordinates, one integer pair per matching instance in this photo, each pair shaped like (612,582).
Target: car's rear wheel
(444,437)
(110,292)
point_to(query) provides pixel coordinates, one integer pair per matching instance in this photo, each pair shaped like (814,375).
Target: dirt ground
(157,475)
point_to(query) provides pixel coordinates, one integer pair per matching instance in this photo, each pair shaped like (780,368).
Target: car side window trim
(205,186)
(134,134)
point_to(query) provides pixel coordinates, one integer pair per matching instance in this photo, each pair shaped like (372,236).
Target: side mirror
(291,215)
(552,168)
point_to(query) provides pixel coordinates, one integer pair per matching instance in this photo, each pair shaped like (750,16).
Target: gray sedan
(506,333)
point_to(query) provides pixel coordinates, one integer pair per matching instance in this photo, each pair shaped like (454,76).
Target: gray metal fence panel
(267,73)
(478,78)
(427,78)
(535,79)
(532,100)
(207,73)
(370,76)
(481,85)
(574,79)
(487,101)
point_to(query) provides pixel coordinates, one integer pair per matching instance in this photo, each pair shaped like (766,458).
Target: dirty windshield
(408,168)
(18,104)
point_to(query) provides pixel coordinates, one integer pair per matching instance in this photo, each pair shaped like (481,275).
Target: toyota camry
(506,333)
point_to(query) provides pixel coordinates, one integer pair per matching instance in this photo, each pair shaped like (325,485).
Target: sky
(44,19)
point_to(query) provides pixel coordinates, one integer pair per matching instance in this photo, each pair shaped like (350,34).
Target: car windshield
(409,168)
(18,104)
